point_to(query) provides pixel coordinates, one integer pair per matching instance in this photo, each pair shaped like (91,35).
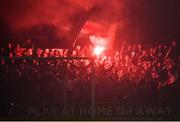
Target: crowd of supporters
(132,65)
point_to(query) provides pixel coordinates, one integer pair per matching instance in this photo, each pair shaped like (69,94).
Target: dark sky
(56,22)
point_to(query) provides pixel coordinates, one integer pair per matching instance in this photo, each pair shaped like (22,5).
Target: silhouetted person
(9,50)
(28,44)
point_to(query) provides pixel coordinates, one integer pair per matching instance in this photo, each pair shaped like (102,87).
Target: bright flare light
(98,50)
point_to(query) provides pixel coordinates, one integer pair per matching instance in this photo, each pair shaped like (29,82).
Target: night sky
(55,23)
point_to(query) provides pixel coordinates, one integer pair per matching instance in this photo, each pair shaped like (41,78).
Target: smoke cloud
(57,22)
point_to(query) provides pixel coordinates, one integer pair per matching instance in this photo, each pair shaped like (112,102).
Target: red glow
(98,50)
(100,44)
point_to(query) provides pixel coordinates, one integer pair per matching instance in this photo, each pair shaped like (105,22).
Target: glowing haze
(60,16)
(50,21)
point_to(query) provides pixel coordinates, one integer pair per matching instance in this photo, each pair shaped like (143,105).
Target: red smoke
(137,19)
(22,14)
